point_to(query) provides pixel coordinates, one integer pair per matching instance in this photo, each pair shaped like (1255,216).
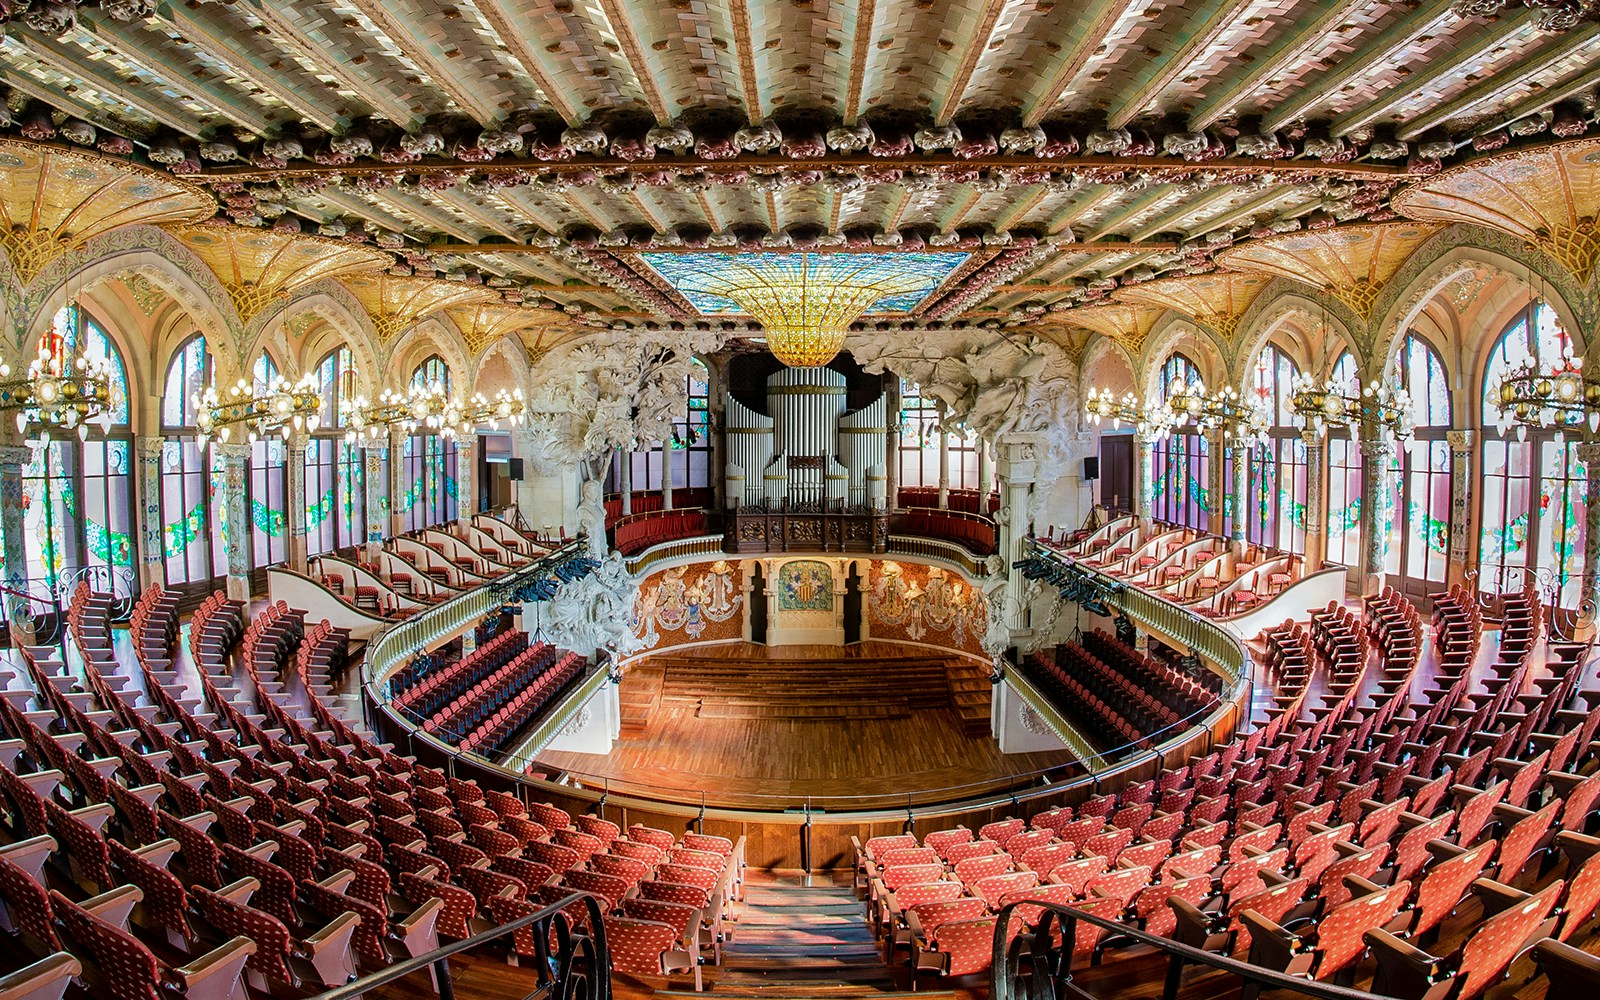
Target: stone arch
(341,313)
(510,350)
(1284,299)
(1104,354)
(433,335)
(1168,335)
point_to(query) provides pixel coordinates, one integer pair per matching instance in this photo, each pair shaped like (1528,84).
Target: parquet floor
(777,762)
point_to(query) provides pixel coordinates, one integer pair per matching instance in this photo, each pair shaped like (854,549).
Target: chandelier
(280,405)
(429,408)
(1152,423)
(1561,397)
(59,394)
(1347,404)
(1239,419)
(805,302)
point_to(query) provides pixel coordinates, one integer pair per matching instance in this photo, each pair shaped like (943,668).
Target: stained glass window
(1344,481)
(194,534)
(1417,503)
(335,472)
(707,280)
(1274,500)
(1531,523)
(429,469)
(1181,464)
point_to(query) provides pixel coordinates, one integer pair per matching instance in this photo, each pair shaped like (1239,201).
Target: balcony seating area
(1416,843)
(974,532)
(508,700)
(429,684)
(1115,695)
(638,532)
(647,502)
(964,501)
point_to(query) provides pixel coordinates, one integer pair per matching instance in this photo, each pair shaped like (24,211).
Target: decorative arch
(511,351)
(433,335)
(1175,332)
(333,304)
(1106,351)
(1283,300)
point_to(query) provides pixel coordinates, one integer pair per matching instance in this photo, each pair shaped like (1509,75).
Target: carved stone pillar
(1018,468)
(1316,498)
(1589,597)
(944,462)
(625,479)
(397,482)
(152,539)
(467,477)
(985,473)
(294,493)
(666,475)
(891,464)
(12,458)
(715,369)
(1461,479)
(231,508)
(1144,474)
(378,503)
(1376,454)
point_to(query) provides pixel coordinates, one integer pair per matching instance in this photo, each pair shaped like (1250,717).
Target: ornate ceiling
(1104,156)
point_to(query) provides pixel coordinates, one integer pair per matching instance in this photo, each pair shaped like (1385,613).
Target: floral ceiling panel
(709,280)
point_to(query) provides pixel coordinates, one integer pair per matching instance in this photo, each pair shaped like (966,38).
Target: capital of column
(15,454)
(151,447)
(1378,449)
(1313,437)
(297,440)
(1460,441)
(234,451)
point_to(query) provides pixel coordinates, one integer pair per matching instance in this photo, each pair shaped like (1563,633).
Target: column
(1589,596)
(625,479)
(152,539)
(397,482)
(1017,467)
(944,462)
(231,509)
(1461,478)
(666,475)
(12,458)
(985,471)
(294,497)
(891,462)
(719,451)
(377,504)
(1376,454)
(1144,475)
(1316,499)
(467,478)
(1239,455)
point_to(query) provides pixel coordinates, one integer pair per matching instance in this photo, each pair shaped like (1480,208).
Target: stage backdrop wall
(913,602)
(695,603)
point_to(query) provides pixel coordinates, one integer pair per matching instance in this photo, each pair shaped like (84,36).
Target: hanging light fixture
(1560,397)
(1347,404)
(1240,419)
(281,405)
(1152,423)
(429,408)
(59,393)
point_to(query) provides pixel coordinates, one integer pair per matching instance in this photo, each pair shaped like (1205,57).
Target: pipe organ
(806,452)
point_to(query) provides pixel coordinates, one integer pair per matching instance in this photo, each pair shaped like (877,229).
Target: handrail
(1044,958)
(556,985)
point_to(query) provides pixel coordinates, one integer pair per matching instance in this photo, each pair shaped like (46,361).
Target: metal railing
(1044,969)
(580,968)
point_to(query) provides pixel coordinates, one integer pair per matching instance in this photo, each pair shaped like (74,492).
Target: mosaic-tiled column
(944,463)
(397,482)
(294,490)
(891,465)
(1376,455)
(467,477)
(377,504)
(232,504)
(1144,473)
(667,484)
(152,537)
(1018,467)
(12,459)
(1461,477)
(1589,597)
(1316,498)
(1222,498)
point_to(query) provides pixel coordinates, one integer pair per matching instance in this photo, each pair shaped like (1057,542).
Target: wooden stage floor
(764,729)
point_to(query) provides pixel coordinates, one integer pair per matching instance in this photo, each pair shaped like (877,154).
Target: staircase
(821,688)
(970,695)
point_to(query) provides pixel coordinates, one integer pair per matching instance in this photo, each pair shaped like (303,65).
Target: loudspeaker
(514,469)
(1091,467)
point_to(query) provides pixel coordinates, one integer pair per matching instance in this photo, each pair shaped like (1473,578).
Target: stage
(875,724)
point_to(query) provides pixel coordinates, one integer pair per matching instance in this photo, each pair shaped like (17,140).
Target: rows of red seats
(1081,701)
(483,718)
(1289,659)
(965,501)
(639,532)
(1114,694)
(153,623)
(214,629)
(1458,626)
(1395,625)
(429,684)
(1341,638)
(688,498)
(1185,693)
(975,533)
(89,622)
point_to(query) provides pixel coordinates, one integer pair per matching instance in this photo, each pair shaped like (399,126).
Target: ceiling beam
(514,31)
(1209,28)
(465,96)
(744,48)
(860,55)
(1384,50)
(59,99)
(429,214)
(306,48)
(1164,222)
(1020,207)
(162,111)
(947,105)
(1501,83)
(1076,210)
(1293,46)
(1551,95)
(1154,196)
(1095,23)
(616,15)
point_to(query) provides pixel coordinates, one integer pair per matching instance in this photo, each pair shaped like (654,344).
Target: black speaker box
(1091,467)
(514,470)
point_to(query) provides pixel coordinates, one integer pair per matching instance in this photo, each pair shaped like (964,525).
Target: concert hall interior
(795,499)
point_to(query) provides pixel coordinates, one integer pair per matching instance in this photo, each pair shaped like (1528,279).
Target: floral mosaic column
(12,458)
(1589,596)
(466,478)
(397,485)
(1376,455)
(152,537)
(294,488)
(1144,473)
(1018,467)
(377,504)
(234,457)
(1460,500)
(944,462)
(1316,500)
(1239,456)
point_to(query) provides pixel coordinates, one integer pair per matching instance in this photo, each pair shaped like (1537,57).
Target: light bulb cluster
(429,409)
(280,406)
(1561,397)
(1240,419)
(56,394)
(1348,404)
(1152,423)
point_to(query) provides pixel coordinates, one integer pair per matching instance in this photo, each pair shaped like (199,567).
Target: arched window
(691,442)
(919,445)
(268,510)
(1181,463)
(1274,507)
(336,511)
(429,469)
(1344,478)
(194,534)
(1417,549)
(77,493)
(1522,530)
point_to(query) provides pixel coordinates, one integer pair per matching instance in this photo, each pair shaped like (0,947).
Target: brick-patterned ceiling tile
(914,50)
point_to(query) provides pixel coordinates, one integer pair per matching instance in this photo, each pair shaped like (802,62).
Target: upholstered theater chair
(957,948)
(119,966)
(46,979)
(890,915)
(1333,946)
(648,948)
(687,921)
(323,957)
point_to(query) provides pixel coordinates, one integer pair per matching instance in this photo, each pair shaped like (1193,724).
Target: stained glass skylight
(708,280)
